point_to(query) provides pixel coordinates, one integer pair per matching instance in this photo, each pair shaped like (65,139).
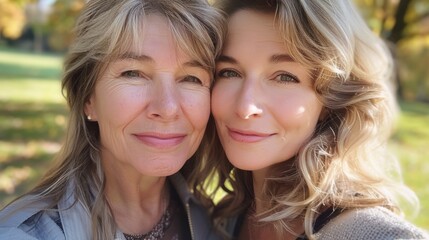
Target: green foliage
(61,22)
(413,71)
(33,119)
(382,16)
(408,34)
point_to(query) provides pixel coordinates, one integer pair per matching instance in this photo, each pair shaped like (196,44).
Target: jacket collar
(76,219)
(181,186)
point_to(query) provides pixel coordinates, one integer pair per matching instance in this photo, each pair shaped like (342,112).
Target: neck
(268,231)
(137,202)
(258,178)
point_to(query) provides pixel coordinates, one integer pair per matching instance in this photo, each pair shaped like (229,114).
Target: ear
(90,112)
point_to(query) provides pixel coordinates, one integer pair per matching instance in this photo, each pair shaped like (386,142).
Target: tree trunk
(38,38)
(398,29)
(396,34)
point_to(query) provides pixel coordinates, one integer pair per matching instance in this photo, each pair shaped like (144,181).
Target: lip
(247,136)
(160,140)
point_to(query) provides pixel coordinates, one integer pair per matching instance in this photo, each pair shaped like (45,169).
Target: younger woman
(137,80)
(303,112)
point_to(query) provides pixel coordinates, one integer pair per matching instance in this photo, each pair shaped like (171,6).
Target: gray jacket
(375,223)
(71,223)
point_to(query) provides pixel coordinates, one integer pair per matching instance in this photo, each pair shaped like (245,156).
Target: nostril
(251,110)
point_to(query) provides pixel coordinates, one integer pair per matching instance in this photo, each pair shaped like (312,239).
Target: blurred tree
(36,20)
(12,18)
(61,22)
(399,22)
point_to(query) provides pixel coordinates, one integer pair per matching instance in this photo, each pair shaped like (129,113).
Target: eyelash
(290,78)
(193,79)
(222,73)
(136,74)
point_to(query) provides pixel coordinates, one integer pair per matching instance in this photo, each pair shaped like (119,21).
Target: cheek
(197,107)
(118,103)
(301,111)
(221,100)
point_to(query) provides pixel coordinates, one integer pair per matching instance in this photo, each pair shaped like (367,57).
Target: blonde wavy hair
(107,29)
(345,164)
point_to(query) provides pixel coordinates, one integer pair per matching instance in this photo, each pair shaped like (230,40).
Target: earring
(89,118)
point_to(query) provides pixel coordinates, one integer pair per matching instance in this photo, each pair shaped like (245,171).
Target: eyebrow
(134,56)
(277,58)
(226,59)
(195,63)
(145,58)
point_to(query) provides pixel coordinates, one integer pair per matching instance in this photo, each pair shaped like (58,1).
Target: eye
(227,73)
(286,78)
(131,74)
(192,79)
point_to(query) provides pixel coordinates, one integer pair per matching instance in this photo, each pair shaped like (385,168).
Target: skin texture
(152,105)
(263,101)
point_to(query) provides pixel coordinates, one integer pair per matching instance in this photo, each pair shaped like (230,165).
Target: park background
(34,35)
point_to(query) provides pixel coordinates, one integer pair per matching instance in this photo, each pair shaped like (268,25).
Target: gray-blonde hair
(105,30)
(345,164)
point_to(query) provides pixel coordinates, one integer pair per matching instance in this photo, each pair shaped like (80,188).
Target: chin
(161,169)
(246,166)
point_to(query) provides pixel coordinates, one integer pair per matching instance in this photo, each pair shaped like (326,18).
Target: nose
(249,102)
(165,103)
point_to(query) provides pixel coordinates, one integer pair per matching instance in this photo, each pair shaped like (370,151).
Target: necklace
(156,233)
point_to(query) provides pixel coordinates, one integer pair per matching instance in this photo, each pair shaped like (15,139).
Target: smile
(159,140)
(247,136)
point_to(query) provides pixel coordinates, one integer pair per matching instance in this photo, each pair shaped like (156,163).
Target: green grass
(32,119)
(33,116)
(410,143)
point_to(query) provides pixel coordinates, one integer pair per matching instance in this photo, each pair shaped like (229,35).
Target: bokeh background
(35,34)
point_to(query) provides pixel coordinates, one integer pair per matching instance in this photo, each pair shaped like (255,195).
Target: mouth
(161,140)
(248,136)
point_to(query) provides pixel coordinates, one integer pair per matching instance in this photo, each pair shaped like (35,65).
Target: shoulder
(36,217)
(370,223)
(40,225)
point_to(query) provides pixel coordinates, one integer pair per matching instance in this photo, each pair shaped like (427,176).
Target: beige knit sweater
(369,224)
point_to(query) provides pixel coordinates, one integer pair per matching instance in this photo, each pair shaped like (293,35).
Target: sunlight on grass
(32,119)
(22,59)
(410,144)
(11,177)
(30,90)
(26,150)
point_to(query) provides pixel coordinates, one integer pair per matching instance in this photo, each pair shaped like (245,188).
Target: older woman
(137,80)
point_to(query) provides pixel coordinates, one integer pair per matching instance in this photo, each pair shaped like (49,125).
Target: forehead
(153,33)
(153,38)
(250,27)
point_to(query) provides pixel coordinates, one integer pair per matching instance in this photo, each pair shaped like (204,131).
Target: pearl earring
(89,117)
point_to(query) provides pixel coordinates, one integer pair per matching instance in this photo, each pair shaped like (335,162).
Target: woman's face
(263,101)
(152,104)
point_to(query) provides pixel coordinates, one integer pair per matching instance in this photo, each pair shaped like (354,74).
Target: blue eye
(286,78)
(192,79)
(227,73)
(131,74)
